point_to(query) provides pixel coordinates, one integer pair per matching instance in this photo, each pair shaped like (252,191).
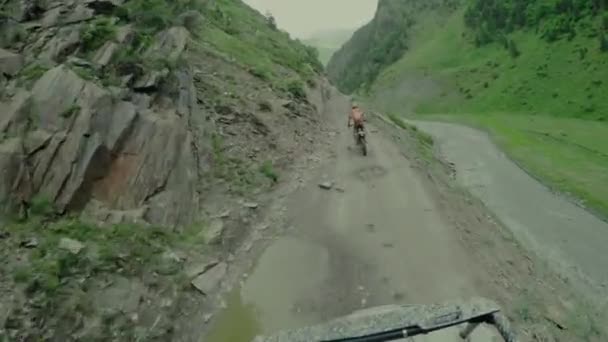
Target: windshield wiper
(439,323)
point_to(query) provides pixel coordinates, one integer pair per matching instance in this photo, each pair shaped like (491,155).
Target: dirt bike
(361,139)
(400,322)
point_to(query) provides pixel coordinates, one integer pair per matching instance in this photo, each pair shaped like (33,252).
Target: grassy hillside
(535,81)
(243,34)
(328,42)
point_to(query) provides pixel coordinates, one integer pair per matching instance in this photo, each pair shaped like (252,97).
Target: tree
(603,42)
(271,20)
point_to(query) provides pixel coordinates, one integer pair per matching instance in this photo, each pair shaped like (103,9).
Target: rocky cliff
(118,107)
(138,141)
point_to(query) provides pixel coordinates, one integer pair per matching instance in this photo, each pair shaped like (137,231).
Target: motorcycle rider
(356,119)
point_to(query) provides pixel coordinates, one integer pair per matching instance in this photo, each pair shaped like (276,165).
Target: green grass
(243,34)
(41,206)
(244,53)
(31,73)
(85,73)
(268,170)
(568,154)
(424,140)
(96,33)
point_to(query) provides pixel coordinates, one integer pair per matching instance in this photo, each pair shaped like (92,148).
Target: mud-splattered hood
(386,318)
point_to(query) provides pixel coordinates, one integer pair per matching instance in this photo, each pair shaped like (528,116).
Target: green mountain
(480,49)
(328,42)
(532,73)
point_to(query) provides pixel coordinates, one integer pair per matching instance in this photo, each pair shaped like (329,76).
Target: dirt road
(569,238)
(377,237)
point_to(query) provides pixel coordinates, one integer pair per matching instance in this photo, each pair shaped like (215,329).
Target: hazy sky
(303,17)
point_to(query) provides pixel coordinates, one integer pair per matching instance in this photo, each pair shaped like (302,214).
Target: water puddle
(236,323)
(285,291)
(278,293)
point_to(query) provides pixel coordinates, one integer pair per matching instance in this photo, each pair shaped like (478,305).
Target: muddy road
(376,237)
(394,228)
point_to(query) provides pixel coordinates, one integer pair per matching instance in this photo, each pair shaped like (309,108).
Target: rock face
(170,43)
(209,281)
(88,144)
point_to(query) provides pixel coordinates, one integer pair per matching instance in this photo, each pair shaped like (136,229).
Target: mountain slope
(379,43)
(534,81)
(483,50)
(131,134)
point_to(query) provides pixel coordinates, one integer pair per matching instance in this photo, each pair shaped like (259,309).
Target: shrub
(70,111)
(96,33)
(41,206)
(513,50)
(33,71)
(271,21)
(268,170)
(296,88)
(261,73)
(557,26)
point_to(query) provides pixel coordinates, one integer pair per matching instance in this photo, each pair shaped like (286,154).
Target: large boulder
(56,92)
(51,17)
(169,44)
(83,145)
